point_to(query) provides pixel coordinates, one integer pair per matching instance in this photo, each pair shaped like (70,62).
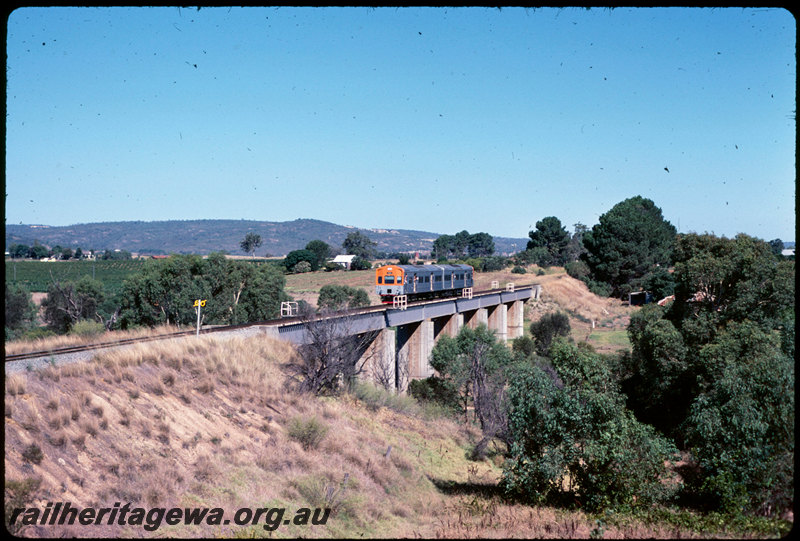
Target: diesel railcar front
(421,281)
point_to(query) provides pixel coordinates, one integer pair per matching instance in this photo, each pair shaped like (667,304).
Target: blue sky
(436,119)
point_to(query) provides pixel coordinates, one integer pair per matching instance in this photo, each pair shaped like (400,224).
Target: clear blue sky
(437,119)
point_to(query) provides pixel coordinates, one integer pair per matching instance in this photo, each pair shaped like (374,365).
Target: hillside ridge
(211,235)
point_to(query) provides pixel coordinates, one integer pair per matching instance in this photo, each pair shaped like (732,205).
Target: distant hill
(206,236)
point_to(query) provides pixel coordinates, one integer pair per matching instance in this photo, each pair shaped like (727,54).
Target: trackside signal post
(198,305)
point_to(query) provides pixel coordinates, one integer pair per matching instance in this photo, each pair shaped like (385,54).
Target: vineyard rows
(35,276)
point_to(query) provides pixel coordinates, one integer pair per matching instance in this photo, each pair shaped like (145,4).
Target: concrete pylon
(380,360)
(516,318)
(475,317)
(498,321)
(415,342)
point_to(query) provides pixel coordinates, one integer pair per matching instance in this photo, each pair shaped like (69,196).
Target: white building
(344,260)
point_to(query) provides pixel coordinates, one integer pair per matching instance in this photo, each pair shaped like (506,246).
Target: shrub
(578,269)
(494,263)
(518,270)
(376,397)
(573,439)
(19,494)
(301,267)
(438,391)
(32,453)
(523,347)
(360,263)
(335,297)
(547,329)
(86,327)
(308,432)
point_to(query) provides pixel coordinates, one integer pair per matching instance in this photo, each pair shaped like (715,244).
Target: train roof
(431,268)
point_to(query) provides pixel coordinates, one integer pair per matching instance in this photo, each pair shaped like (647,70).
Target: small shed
(344,260)
(639,298)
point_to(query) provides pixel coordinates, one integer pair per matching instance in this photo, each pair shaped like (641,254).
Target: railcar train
(421,281)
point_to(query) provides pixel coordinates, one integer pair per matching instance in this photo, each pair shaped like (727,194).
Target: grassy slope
(204,422)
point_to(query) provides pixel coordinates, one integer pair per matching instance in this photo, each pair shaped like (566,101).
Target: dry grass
(207,422)
(54,342)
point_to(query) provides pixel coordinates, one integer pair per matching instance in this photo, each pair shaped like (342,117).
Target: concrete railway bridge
(408,334)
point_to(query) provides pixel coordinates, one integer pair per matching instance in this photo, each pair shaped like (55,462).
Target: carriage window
(380,279)
(390,279)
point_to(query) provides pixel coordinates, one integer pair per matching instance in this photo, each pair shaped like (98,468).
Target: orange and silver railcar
(421,281)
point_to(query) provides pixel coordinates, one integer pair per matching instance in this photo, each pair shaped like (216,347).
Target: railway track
(54,352)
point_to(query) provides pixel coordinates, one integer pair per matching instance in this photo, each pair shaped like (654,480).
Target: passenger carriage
(421,281)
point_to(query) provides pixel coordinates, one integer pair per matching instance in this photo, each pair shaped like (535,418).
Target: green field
(36,275)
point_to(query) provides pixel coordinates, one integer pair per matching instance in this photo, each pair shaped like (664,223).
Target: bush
(86,327)
(32,453)
(301,267)
(334,297)
(578,269)
(518,270)
(547,329)
(376,397)
(494,263)
(360,263)
(574,440)
(308,432)
(523,347)
(436,391)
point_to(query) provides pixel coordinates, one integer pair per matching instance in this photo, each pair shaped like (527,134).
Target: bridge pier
(473,318)
(516,314)
(380,360)
(498,321)
(415,343)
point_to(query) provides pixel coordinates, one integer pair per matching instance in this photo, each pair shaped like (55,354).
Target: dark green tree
(18,251)
(37,251)
(250,243)
(462,245)
(553,237)
(573,440)
(360,263)
(116,255)
(357,243)
(20,310)
(69,302)
(776,245)
(473,366)
(235,291)
(575,248)
(296,256)
(740,427)
(335,297)
(631,241)
(321,250)
(548,328)
(715,369)
(480,245)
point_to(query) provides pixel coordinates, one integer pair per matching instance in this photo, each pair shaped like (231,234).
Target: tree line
(709,379)
(38,251)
